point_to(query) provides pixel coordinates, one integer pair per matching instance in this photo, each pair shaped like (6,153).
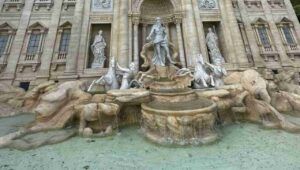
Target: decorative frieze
(208,4)
(102,5)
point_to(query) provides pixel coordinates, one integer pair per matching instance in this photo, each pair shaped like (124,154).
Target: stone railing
(250,3)
(276,2)
(60,59)
(67,3)
(62,56)
(43,3)
(269,53)
(30,57)
(13,3)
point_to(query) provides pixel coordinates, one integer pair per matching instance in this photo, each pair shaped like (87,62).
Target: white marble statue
(159,38)
(128,75)
(218,72)
(98,48)
(213,46)
(202,79)
(109,81)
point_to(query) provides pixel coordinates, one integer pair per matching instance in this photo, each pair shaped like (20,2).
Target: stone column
(275,35)
(240,53)
(18,42)
(200,30)
(1,4)
(258,61)
(115,30)
(130,53)
(293,17)
(144,33)
(50,41)
(191,33)
(123,34)
(180,42)
(168,30)
(136,41)
(84,43)
(229,45)
(72,57)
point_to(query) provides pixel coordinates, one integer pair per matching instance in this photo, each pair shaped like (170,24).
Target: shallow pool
(243,146)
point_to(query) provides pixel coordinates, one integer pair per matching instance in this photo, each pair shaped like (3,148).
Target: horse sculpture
(201,78)
(110,80)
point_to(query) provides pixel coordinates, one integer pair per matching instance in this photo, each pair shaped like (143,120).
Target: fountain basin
(180,123)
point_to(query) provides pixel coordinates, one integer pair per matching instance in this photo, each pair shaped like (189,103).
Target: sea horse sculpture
(109,81)
(201,77)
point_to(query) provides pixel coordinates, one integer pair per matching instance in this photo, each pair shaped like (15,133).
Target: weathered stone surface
(133,96)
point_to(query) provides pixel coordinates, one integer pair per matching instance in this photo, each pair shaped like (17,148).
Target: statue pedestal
(97,65)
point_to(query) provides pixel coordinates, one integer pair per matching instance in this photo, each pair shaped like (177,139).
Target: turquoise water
(243,146)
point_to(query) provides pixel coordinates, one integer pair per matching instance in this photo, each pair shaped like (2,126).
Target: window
(64,41)
(263,36)
(24,85)
(288,34)
(3,43)
(33,44)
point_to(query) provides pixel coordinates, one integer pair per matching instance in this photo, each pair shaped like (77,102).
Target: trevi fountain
(158,113)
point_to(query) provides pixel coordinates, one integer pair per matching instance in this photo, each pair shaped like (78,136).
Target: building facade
(44,40)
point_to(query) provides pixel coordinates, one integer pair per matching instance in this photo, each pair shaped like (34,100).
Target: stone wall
(236,22)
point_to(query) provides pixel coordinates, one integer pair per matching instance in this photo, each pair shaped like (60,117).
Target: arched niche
(148,10)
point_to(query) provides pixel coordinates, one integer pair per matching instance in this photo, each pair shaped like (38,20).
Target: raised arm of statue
(122,68)
(151,33)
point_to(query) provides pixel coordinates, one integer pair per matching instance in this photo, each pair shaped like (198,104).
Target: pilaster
(17,45)
(258,61)
(84,42)
(136,40)
(200,30)
(123,34)
(240,53)
(1,4)
(115,29)
(229,45)
(49,47)
(72,57)
(191,33)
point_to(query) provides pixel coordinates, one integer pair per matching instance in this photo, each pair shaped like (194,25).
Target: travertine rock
(11,100)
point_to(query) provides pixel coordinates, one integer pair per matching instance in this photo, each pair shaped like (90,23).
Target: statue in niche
(212,44)
(128,75)
(207,4)
(110,80)
(159,38)
(102,4)
(98,48)
(217,59)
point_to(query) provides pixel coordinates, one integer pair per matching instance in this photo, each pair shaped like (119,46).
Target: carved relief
(208,4)
(102,5)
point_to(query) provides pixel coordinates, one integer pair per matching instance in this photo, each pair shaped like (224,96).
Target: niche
(216,27)
(106,29)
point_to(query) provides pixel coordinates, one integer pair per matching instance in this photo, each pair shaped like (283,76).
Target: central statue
(159,38)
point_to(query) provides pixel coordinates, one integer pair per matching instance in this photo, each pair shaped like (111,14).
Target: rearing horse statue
(109,81)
